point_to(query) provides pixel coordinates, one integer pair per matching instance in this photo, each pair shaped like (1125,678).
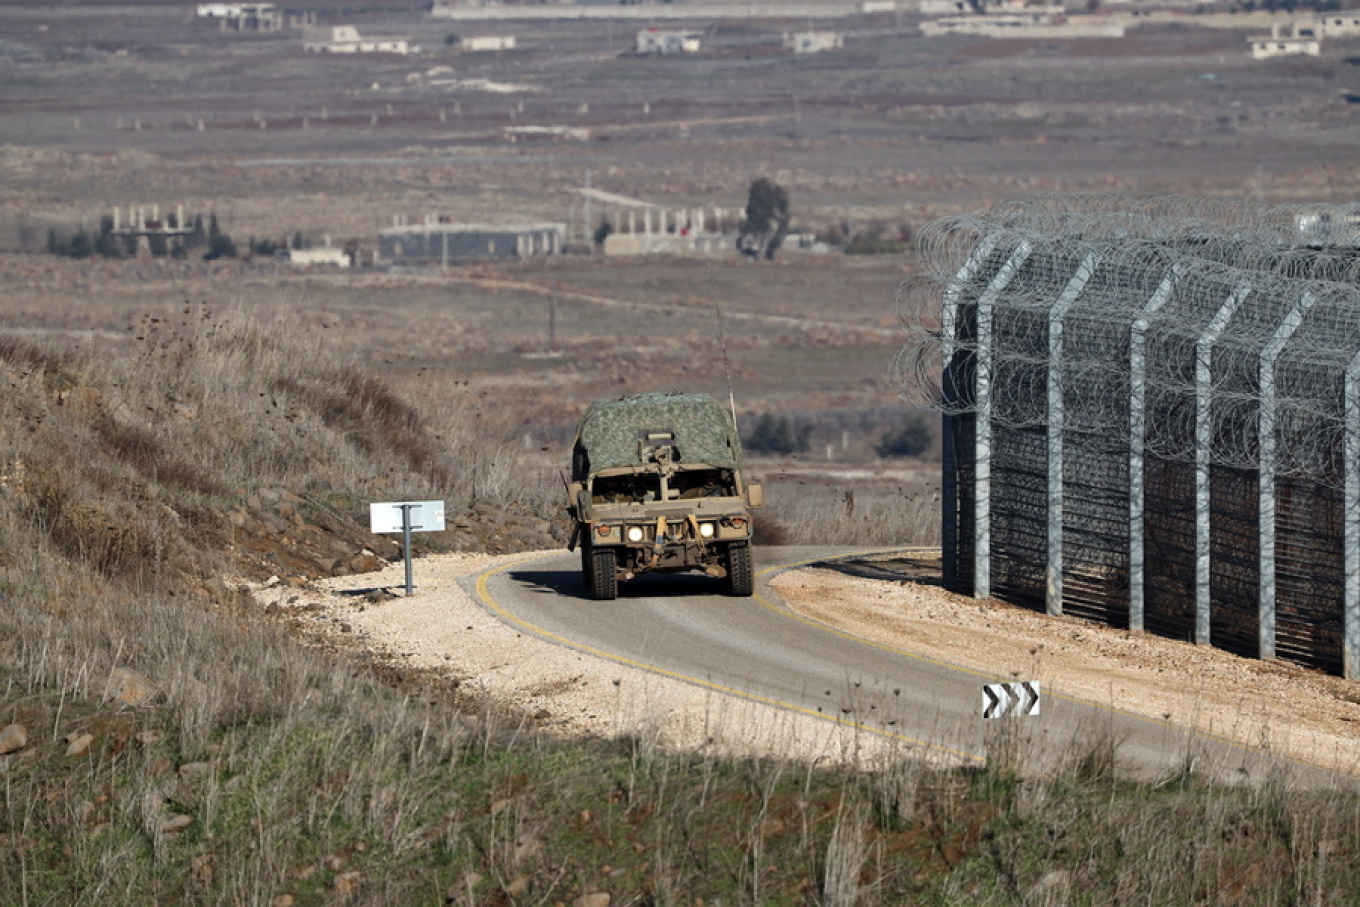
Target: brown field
(117,106)
(172,429)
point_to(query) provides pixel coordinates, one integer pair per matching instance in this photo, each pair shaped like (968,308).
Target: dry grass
(250,768)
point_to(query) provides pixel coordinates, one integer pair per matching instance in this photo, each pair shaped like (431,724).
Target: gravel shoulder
(443,633)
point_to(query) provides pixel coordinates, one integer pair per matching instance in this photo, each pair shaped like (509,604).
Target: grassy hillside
(163,742)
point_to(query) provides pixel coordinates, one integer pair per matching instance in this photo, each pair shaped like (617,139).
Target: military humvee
(657,486)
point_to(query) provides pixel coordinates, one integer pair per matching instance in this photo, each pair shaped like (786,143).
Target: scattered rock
(594,899)
(77,744)
(345,883)
(176,823)
(366,562)
(127,687)
(13,737)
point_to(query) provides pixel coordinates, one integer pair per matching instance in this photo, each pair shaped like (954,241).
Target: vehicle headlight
(706,530)
(634,533)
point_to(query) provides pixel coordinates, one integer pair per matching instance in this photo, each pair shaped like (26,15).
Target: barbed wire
(1234,302)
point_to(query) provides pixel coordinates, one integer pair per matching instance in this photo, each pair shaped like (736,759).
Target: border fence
(1151,414)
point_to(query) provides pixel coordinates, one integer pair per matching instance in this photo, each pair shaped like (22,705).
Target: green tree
(766,224)
(81,245)
(106,244)
(603,232)
(910,439)
(777,435)
(219,243)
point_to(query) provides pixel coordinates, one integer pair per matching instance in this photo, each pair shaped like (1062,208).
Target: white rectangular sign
(426,516)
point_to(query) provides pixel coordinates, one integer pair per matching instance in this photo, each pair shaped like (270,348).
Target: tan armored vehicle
(657,486)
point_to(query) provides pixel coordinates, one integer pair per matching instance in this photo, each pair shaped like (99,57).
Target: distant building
(811,42)
(1329,227)
(242,16)
(345,39)
(338,258)
(1285,40)
(488,42)
(447,243)
(1337,25)
(656,41)
(1026,25)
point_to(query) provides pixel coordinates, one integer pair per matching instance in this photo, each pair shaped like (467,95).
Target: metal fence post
(1053,571)
(1350,614)
(982,500)
(1137,444)
(1204,439)
(949,390)
(1266,470)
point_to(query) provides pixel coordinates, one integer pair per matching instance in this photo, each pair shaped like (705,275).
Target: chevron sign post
(1000,699)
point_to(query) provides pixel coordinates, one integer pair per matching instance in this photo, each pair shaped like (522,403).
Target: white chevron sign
(1000,699)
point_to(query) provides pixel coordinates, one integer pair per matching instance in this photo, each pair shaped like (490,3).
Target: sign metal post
(406,517)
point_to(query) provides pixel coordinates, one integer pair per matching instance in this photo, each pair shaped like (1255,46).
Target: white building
(327,256)
(1287,40)
(656,41)
(232,10)
(488,42)
(1026,25)
(1336,25)
(811,42)
(345,39)
(242,16)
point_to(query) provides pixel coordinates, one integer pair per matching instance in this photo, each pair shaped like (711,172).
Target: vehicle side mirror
(755,494)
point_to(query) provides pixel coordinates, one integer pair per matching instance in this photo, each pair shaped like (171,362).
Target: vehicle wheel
(740,577)
(603,574)
(587,566)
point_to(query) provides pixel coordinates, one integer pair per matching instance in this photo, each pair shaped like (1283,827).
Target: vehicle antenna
(727,367)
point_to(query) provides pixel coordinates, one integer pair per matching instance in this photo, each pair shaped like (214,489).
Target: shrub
(910,439)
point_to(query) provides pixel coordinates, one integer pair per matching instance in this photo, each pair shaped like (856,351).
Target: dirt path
(443,632)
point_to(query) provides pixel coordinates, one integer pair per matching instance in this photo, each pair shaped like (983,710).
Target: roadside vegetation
(163,741)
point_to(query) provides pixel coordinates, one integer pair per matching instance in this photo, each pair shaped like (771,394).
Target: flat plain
(124,106)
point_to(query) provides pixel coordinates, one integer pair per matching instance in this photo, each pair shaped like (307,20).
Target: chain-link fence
(1152,414)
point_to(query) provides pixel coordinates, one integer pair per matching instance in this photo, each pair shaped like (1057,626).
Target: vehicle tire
(587,566)
(740,576)
(603,574)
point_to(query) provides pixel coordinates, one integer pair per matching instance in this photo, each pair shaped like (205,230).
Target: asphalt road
(683,627)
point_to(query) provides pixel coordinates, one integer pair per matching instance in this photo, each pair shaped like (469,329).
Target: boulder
(127,687)
(13,737)
(78,744)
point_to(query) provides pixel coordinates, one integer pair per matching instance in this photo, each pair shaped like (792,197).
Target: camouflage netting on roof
(610,429)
